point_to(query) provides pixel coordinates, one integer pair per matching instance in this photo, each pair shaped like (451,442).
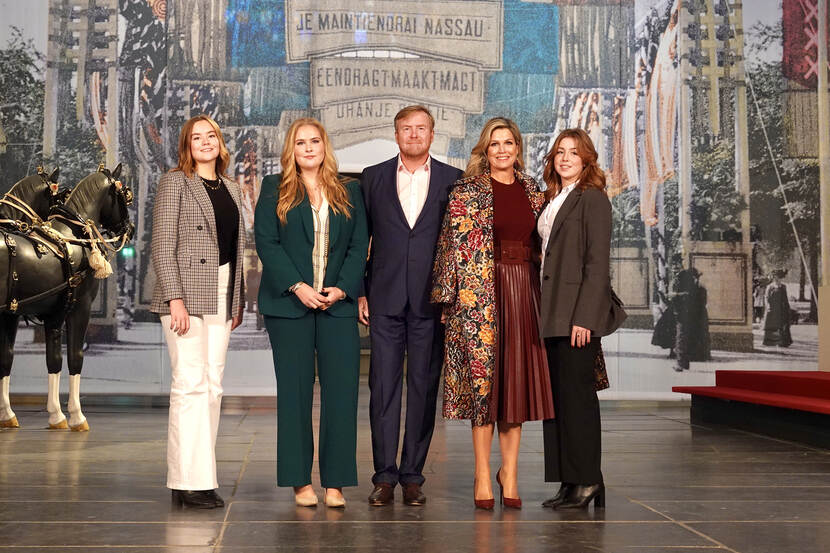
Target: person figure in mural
(196,250)
(311,237)
(777,318)
(405,200)
(575,228)
(758,299)
(688,303)
(487,278)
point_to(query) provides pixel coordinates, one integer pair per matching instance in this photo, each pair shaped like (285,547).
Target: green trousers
(294,343)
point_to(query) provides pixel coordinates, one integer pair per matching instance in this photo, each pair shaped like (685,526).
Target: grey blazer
(185,250)
(576,285)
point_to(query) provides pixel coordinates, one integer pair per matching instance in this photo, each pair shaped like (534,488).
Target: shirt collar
(568,188)
(425,166)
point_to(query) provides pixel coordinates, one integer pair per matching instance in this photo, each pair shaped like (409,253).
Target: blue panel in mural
(256,32)
(531,37)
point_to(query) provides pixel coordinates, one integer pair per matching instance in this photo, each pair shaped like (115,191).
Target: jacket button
(201,261)
(546,277)
(198,227)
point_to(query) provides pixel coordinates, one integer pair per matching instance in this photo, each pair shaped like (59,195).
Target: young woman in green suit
(311,236)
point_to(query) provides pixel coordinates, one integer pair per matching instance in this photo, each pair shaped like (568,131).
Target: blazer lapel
(391,189)
(564,209)
(202,198)
(335,220)
(433,188)
(307,217)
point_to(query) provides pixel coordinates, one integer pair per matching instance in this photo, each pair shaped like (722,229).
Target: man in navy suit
(405,199)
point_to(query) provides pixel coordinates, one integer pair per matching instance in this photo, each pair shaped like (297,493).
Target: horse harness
(46,239)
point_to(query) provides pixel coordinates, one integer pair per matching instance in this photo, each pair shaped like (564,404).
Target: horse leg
(76,326)
(54,360)
(8,332)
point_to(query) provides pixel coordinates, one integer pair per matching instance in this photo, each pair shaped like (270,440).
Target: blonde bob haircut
(292,190)
(478,157)
(186,163)
(591,177)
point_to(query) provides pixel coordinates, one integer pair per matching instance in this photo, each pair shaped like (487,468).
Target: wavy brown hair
(292,190)
(186,163)
(592,176)
(478,157)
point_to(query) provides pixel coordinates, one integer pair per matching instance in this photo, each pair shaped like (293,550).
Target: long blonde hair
(292,190)
(478,157)
(186,163)
(592,176)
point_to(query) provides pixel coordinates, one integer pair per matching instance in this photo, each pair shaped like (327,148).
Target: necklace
(212,184)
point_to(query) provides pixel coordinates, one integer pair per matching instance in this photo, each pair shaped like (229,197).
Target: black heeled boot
(560,496)
(196,499)
(581,496)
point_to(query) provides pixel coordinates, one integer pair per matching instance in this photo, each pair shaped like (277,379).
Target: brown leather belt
(511,251)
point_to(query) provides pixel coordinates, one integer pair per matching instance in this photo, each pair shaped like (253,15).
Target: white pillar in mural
(824,190)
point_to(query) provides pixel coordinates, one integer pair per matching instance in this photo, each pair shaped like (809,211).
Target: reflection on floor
(672,487)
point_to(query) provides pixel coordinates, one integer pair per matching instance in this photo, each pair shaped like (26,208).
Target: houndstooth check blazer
(185,250)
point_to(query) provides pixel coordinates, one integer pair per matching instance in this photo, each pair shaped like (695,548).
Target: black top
(227,218)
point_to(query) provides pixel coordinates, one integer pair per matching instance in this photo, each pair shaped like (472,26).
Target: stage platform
(673,486)
(791,405)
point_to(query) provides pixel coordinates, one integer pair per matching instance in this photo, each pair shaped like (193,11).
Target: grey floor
(672,487)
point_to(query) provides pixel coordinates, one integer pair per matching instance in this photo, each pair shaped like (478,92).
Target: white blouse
(548,216)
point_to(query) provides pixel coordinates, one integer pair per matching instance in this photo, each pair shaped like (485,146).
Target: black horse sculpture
(51,276)
(28,202)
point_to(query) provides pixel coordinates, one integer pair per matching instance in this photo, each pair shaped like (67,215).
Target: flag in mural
(799,24)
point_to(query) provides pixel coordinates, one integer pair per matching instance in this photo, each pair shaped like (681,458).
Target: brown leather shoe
(383,494)
(412,494)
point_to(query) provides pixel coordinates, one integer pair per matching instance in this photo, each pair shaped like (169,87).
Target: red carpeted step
(787,401)
(814,384)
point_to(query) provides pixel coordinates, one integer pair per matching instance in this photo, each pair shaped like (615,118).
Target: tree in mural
(21,109)
(799,176)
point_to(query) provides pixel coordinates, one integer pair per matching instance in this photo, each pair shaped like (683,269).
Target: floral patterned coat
(464,280)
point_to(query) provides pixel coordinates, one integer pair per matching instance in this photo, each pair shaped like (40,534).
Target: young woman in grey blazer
(197,249)
(575,229)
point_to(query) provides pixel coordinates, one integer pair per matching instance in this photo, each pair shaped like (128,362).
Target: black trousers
(573,446)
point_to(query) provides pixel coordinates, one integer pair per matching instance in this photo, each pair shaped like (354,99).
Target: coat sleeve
(276,263)
(164,243)
(593,299)
(444,271)
(365,189)
(351,273)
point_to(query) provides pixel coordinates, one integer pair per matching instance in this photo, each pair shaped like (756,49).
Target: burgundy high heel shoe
(486,504)
(512,502)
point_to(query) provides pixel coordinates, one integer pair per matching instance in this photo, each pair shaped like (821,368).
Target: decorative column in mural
(713,179)
(82,57)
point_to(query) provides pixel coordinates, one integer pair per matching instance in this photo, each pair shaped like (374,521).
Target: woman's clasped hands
(321,300)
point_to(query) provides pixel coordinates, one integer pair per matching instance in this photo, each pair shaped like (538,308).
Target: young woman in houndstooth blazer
(312,239)
(197,249)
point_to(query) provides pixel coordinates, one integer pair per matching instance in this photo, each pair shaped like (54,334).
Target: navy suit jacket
(400,263)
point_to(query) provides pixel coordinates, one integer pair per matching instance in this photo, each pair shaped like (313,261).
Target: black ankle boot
(581,496)
(217,500)
(195,499)
(560,496)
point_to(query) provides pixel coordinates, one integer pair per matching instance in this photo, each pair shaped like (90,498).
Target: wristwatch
(295,286)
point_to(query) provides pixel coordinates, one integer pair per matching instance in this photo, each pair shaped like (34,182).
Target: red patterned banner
(800,26)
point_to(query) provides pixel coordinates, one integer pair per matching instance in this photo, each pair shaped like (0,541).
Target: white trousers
(198,361)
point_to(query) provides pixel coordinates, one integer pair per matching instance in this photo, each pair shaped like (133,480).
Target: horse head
(39,192)
(103,199)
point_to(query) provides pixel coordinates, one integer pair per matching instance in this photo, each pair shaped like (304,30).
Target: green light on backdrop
(128,252)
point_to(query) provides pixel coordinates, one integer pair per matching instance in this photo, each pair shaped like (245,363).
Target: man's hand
(363,310)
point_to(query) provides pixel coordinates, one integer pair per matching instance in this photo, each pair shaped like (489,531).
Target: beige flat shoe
(334,501)
(306,499)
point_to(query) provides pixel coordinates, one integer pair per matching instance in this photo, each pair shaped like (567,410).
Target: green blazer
(285,252)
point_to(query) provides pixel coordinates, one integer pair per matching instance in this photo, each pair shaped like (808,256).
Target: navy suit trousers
(422,340)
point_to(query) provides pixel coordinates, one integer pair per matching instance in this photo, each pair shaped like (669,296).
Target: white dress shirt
(548,216)
(412,190)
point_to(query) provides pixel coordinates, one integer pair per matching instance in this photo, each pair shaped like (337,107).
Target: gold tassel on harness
(99,263)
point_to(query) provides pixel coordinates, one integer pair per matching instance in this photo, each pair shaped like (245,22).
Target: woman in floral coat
(486,275)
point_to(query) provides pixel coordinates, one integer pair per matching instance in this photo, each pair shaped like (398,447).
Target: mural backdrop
(704,117)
